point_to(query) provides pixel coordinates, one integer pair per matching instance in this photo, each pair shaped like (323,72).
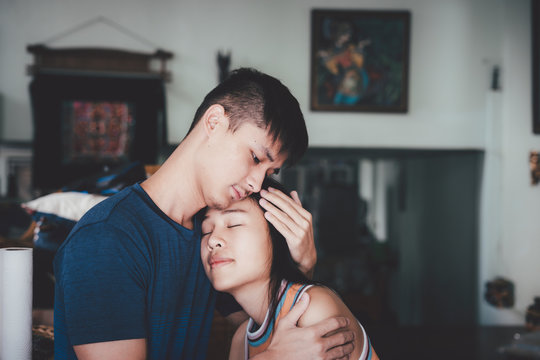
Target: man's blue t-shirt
(127,271)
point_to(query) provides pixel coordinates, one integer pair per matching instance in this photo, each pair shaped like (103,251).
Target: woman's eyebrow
(230,211)
(225,212)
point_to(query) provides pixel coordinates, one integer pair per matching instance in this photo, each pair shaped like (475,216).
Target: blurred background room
(426,204)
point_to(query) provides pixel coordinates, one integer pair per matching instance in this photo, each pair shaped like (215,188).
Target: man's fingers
(297,224)
(286,204)
(280,205)
(279,225)
(296,198)
(330,325)
(293,203)
(298,309)
(340,338)
(280,215)
(340,352)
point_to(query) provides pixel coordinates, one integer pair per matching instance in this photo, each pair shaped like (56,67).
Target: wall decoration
(97,130)
(95,108)
(535,27)
(224,64)
(360,60)
(534,164)
(83,124)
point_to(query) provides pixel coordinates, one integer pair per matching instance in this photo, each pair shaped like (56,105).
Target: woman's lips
(215,262)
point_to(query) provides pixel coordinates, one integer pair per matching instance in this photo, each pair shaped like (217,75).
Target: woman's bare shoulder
(323,304)
(238,343)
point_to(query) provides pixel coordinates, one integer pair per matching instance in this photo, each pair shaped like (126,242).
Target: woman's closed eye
(205,233)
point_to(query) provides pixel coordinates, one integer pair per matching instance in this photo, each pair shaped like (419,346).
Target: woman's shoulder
(323,303)
(238,342)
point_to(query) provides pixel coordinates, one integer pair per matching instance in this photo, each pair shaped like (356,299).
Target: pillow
(65,205)
(56,214)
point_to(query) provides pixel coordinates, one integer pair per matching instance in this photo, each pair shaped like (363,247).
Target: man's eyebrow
(268,154)
(271,158)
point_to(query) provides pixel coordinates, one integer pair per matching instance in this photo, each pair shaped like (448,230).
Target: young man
(129,280)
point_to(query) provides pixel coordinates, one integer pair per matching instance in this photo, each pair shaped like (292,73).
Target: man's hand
(294,223)
(329,339)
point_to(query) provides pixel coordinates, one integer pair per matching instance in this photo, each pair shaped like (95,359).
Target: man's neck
(174,189)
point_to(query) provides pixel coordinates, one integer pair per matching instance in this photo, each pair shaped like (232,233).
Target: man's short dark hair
(248,95)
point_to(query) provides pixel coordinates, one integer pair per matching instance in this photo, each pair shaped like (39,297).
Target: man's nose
(255,180)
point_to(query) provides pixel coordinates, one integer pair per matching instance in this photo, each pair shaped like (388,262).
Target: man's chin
(220,205)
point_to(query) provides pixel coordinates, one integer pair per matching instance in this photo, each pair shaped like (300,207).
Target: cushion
(63,205)
(56,214)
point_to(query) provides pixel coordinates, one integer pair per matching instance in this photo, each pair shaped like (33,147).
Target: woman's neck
(253,298)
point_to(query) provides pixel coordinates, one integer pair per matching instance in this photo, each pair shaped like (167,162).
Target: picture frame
(535,28)
(60,159)
(360,60)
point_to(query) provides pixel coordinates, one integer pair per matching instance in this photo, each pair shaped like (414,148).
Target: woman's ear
(215,119)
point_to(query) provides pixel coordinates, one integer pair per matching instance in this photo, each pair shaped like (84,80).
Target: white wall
(452,48)
(454,45)
(510,245)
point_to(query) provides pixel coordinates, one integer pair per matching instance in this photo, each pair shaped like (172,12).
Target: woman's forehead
(243,207)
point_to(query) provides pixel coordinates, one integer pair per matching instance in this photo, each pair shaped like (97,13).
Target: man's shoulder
(117,206)
(108,218)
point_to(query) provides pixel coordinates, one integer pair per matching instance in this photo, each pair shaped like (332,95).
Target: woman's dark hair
(248,95)
(283,266)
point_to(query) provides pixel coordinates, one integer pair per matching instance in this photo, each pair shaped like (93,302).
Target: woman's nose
(215,241)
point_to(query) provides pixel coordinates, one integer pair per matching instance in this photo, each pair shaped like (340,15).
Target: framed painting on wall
(535,27)
(360,60)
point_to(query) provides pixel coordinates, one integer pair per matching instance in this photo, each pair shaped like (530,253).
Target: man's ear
(215,119)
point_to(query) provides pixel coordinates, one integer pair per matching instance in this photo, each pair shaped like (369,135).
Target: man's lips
(238,194)
(215,261)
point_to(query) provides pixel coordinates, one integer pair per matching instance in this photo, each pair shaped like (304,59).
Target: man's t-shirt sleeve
(101,275)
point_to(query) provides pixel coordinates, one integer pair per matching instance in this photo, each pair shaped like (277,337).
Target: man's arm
(133,349)
(98,298)
(295,223)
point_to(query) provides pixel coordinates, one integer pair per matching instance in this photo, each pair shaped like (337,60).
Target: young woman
(244,255)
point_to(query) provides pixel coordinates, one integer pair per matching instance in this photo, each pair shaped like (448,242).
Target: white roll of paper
(16,303)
